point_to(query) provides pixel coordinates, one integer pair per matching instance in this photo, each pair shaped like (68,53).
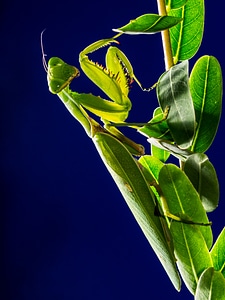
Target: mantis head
(59,73)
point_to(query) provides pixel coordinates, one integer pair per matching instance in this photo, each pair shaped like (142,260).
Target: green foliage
(174,4)
(182,198)
(149,23)
(169,202)
(211,286)
(203,177)
(218,253)
(207,99)
(191,252)
(173,91)
(186,37)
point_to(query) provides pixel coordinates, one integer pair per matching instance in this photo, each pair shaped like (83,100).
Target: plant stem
(168,56)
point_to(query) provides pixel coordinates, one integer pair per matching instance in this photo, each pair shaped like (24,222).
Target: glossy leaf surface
(186,37)
(218,253)
(161,154)
(153,165)
(150,167)
(174,4)
(211,286)
(191,252)
(182,198)
(206,90)
(149,23)
(173,92)
(203,176)
(170,147)
(160,131)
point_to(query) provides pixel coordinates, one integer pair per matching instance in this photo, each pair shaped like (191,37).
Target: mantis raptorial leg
(114,83)
(164,211)
(138,125)
(166,214)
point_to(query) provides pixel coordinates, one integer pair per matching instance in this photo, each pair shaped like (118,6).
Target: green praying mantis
(142,191)
(114,80)
(168,202)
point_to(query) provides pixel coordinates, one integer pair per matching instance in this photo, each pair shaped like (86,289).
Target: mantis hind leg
(134,148)
(138,125)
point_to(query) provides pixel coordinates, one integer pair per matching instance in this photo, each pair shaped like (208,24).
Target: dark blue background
(67,232)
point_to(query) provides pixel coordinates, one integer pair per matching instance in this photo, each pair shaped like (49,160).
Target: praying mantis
(115,149)
(168,202)
(114,80)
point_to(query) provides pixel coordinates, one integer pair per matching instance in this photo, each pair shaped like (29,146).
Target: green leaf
(218,253)
(160,131)
(206,90)
(186,37)
(159,153)
(173,91)
(182,198)
(149,23)
(150,167)
(153,166)
(139,197)
(211,286)
(203,176)
(174,4)
(170,147)
(191,252)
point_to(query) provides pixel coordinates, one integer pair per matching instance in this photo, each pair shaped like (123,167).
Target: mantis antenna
(43,53)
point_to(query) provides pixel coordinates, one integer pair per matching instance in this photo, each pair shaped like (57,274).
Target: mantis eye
(60,74)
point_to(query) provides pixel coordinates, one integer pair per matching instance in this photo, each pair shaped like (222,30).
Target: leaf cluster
(184,125)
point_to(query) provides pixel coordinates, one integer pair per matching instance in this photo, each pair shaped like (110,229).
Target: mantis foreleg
(114,79)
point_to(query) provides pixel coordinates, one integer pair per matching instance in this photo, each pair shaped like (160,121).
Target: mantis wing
(139,197)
